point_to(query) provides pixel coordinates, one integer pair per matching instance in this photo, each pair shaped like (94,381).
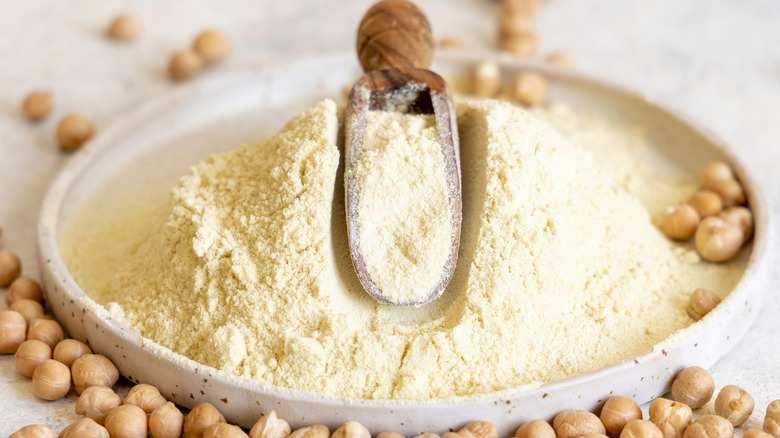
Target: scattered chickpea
(535,429)
(51,380)
(485,79)
(670,417)
(756,433)
(146,397)
(512,24)
(84,428)
(313,431)
(459,434)
(451,43)
(68,350)
(693,386)
(212,46)
(617,412)
(572,424)
(641,429)
(706,203)
(223,430)
(680,222)
(520,7)
(46,330)
(701,302)
(481,429)
(24,289)
(93,370)
(529,88)
(127,421)
(270,426)
(185,65)
(28,308)
(729,190)
(351,429)
(560,59)
(381,435)
(718,240)
(96,402)
(73,131)
(33,431)
(166,421)
(37,105)
(709,426)
(521,44)
(200,417)
(772,419)
(10,267)
(124,27)
(741,217)
(715,171)
(734,404)
(29,355)
(13,331)
(594,435)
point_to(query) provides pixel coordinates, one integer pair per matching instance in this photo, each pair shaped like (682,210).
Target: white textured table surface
(716,60)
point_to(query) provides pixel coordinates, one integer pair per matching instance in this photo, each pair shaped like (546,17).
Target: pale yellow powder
(247,268)
(403,209)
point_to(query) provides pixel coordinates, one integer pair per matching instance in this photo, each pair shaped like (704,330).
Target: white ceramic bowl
(217,113)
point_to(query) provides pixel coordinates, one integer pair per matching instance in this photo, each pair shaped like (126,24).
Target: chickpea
(459,434)
(166,421)
(10,267)
(560,59)
(741,217)
(715,171)
(617,412)
(693,386)
(481,429)
(701,302)
(641,429)
(84,428)
(670,417)
(28,308)
(33,431)
(594,435)
(68,350)
(96,402)
(680,222)
(313,431)
(756,433)
(718,240)
(572,424)
(212,46)
(519,7)
(46,330)
(535,429)
(200,417)
(146,397)
(93,370)
(729,190)
(710,426)
(223,430)
(706,203)
(387,435)
(127,421)
(13,331)
(31,354)
(529,88)
(37,105)
(24,289)
(123,28)
(451,43)
(485,79)
(512,24)
(270,426)
(185,65)
(772,419)
(734,404)
(73,131)
(426,435)
(51,380)
(351,429)
(521,44)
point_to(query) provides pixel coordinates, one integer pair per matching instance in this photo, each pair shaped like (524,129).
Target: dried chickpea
(351,429)
(33,431)
(73,131)
(617,412)
(481,429)
(51,380)
(29,355)
(718,240)
(520,7)
(512,24)
(701,302)
(680,222)
(10,267)
(184,65)
(641,429)
(270,426)
(46,330)
(741,217)
(572,424)
(529,88)
(709,426)
(756,433)
(166,421)
(145,396)
(485,79)
(93,370)
(127,421)
(200,417)
(560,59)
(223,430)
(693,386)
(772,419)
(24,289)
(594,435)
(706,203)
(68,350)
(670,417)
(521,44)
(37,105)
(96,402)
(124,27)
(729,190)
(451,43)
(715,171)
(13,331)
(212,46)
(313,431)
(734,404)
(459,434)
(84,428)
(535,429)
(381,435)
(426,435)
(28,308)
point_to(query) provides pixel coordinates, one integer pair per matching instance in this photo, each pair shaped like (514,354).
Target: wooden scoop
(395,46)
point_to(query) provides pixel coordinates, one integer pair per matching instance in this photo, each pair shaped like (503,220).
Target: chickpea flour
(561,269)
